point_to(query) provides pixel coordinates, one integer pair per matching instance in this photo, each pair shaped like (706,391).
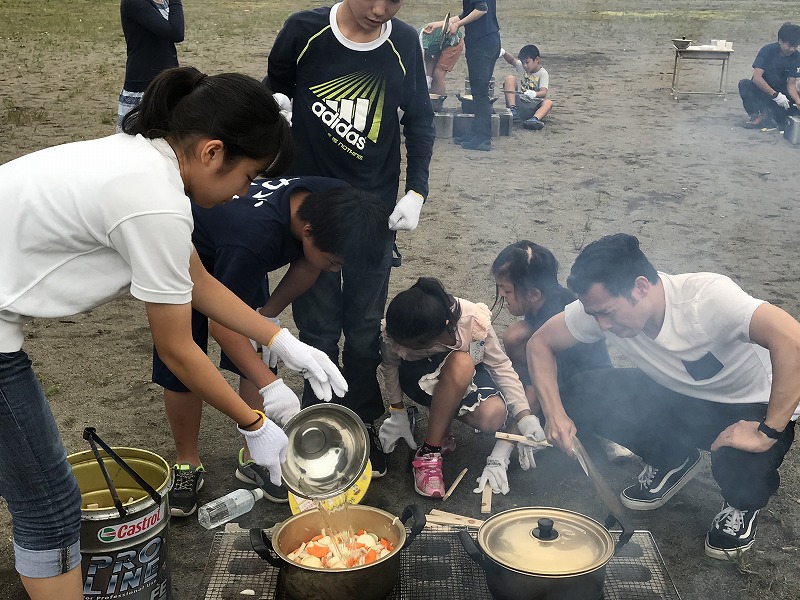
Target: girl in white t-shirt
(86,222)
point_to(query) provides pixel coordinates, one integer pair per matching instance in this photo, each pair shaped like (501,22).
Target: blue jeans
(35,478)
(350,302)
(481,56)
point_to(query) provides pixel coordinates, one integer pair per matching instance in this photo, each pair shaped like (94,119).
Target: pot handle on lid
(412,510)
(262,546)
(470,548)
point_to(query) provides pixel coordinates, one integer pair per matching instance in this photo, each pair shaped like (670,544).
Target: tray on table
(434,566)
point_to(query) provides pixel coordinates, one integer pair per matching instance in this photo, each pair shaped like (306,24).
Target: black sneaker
(656,486)
(476,143)
(732,532)
(250,472)
(183,495)
(377,457)
(534,124)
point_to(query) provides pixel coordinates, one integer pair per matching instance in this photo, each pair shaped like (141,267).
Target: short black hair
(789,33)
(422,313)
(349,223)
(529,51)
(615,261)
(529,266)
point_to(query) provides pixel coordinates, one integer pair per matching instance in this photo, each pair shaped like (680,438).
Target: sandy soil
(617,154)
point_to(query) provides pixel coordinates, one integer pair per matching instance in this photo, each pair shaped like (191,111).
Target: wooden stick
(436,513)
(455,483)
(486,500)
(442,520)
(513,437)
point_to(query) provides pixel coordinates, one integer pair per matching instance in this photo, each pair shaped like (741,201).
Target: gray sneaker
(183,495)
(250,472)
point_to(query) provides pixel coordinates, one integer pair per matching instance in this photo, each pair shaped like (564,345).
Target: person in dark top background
(769,95)
(482,39)
(347,70)
(151,28)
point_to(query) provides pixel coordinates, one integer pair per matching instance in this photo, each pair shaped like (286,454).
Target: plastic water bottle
(228,507)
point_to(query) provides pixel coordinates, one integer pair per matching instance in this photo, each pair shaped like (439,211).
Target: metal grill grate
(434,566)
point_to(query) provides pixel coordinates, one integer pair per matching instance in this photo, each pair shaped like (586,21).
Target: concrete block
(500,123)
(443,122)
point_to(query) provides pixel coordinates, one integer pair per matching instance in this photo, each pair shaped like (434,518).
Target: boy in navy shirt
(313,224)
(769,95)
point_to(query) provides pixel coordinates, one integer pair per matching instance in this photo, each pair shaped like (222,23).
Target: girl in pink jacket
(442,352)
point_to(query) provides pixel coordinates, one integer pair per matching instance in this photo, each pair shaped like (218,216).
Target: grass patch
(13,115)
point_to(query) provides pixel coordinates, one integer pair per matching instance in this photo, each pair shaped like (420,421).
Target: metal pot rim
(393,520)
(582,547)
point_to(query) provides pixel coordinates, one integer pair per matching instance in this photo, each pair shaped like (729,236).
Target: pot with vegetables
(316,565)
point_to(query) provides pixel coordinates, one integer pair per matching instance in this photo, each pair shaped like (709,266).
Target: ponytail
(422,313)
(184,105)
(528,266)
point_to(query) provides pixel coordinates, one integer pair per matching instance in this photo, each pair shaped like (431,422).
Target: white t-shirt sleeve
(544,79)
(724,310)
(518,67)
(157,246)
(583,327)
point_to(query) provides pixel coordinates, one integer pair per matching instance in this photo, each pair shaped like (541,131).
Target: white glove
(314,365)
(781,101)
(280,402)
(529,95)
(285,104)
(405,215)
(267,446)
(502,53)
(530,427)
(495,473)
(396,427)
(269,357)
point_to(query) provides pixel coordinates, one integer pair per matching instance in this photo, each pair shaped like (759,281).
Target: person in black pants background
(482,39)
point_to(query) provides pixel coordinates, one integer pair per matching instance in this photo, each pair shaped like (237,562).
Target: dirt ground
(617,154)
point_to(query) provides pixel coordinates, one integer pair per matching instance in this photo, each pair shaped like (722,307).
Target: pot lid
(549,542)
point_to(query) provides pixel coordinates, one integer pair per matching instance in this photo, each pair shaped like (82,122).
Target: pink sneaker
(428,479)
(448,442)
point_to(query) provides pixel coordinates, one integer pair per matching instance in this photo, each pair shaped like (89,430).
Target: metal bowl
(681,44)
(328,450)
(437,101)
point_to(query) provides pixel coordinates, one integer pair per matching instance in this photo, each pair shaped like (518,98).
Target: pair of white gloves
(268,444)
(405,216)
(495,473)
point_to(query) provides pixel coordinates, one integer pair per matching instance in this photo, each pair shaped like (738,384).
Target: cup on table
(721,44)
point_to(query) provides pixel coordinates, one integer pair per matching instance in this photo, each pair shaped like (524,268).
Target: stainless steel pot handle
(262,546)
(412,510)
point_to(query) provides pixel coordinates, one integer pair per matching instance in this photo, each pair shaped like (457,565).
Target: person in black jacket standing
(347,70)
(151,28)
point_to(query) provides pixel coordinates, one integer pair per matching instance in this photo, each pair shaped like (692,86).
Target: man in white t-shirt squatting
(715,369)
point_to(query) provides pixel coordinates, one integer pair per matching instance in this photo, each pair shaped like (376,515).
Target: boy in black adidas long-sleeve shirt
(347,70)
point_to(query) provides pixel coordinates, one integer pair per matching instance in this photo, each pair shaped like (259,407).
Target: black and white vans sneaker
(732,532)
(657,486)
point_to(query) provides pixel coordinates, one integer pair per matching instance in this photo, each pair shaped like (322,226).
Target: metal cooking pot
(437,102)
(368,582)
(468,104)
(542,553)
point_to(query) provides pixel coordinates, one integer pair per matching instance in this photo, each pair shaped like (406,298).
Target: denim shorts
(35,478)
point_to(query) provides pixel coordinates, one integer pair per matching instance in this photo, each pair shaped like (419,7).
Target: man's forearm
(544,375)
